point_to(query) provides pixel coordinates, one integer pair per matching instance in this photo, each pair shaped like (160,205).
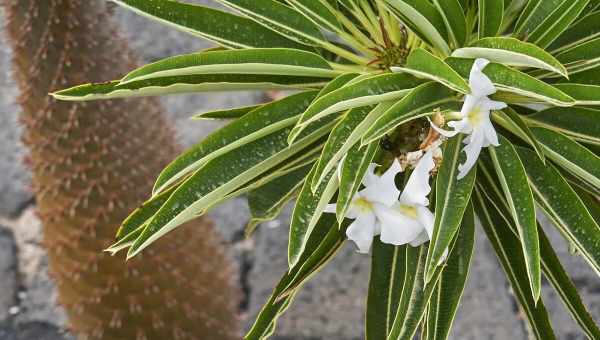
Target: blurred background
(330,306)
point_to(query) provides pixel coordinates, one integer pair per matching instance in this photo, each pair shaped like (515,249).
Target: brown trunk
(92,163)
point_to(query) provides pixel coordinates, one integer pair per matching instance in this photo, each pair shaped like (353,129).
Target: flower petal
(441,131)
(481,85)
(491,137)
(362,231)
(396,228)
(417,188)
(370,177)
(472,149)
(422,238)
(384,190)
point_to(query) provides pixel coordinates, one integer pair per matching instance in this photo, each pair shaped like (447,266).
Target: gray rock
(8,273)
(14,193)
(33,330)
(39,299)
(330,306)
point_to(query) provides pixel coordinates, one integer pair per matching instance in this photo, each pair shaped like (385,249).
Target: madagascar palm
(379,81)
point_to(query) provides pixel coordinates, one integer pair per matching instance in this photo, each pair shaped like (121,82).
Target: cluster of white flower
(404,217)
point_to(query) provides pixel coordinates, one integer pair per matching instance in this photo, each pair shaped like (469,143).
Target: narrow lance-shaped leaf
(513,81)
(423,64)
(326,235)
(576,122)
(266,202)
(267,61)
(490,13)
(410,313)
(551,266)
(564,286)
(451,199)
(449,289)
(185,84)
(221,176)
(570,155)
(365,92)
(309,208)
(420,102)
(584,94)
(259,123)
(226,113)
(221,27)
(454,17)
(513,52)
(566,210)
(509,119)
(509,252)
(586,29)
(557,22)
(318,12)
(280,18)
(423,19)
(385,288)
(513,179)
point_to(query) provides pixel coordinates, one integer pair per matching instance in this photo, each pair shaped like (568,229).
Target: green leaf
(256,124)
(576,122)
(451,199)
(509,252)
(584,30)
(519,196)
(280,18)
(513,81)
(353,170)
(450,286)
(385,288)
(585,95)
(220,27)
(265,61)
(420,102)
(551,266)
(513,122)
(585,52)
(562,205)
(220,176)
(534,14)
(412,289)
(370,91)
(226,113)
(423,64)
(343,136)
(512,52)
(309,208)
(454,17)
(267,201)
(416,294)
(185,84)
(570,155)
(490,17)
(327,236)
(423,19)
(318,12)
(559,278)
(556,22)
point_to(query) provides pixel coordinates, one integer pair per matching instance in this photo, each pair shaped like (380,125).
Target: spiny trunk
(92,163)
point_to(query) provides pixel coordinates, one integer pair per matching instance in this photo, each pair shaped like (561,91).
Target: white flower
(475,115)
(376,209)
